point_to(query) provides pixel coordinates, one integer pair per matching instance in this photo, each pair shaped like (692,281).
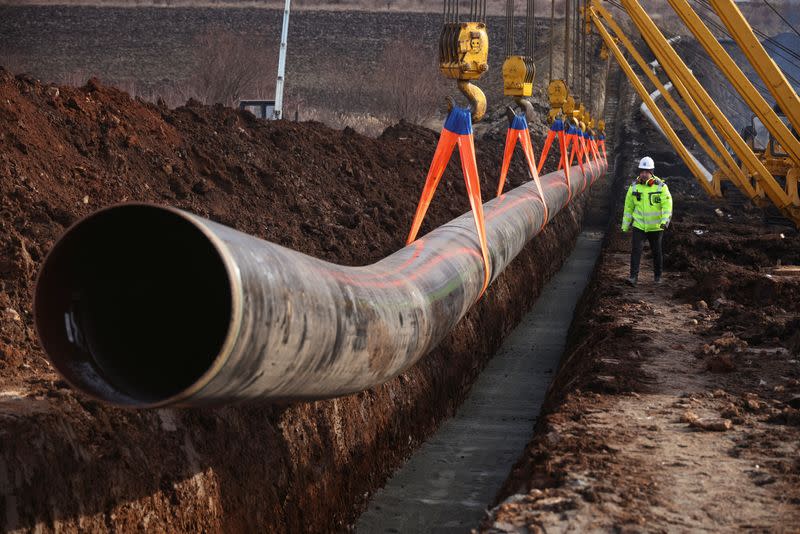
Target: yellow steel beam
(645,96)
(678,71)
(738,79)
(764,65)
(729,167)
(738,176)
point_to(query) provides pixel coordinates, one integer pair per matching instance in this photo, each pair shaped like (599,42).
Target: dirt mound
(719,281)
(65,152)
(732,250)
(76,464)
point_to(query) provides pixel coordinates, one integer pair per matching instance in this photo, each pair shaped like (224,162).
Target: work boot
(632,280)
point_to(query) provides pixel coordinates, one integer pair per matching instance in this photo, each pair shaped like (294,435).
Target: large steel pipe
(147,306)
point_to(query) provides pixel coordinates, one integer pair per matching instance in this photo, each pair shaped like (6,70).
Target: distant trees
(408,80)
(230,67)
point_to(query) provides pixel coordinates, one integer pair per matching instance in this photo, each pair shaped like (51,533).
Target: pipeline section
(147,306)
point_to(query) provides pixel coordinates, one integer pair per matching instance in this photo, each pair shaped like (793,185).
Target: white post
(282,62)
(654,64)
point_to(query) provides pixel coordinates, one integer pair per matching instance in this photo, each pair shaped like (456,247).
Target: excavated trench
(447,484)
(70,463)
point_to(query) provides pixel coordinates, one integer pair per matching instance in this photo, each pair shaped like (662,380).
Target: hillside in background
(756,10)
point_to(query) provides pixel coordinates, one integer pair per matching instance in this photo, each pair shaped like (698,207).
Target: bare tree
(410,84)
(230,67)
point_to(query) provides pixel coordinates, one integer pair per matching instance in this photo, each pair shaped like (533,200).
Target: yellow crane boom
(765,66)
(723,160)
(738,79)
(679,72)
(682,151)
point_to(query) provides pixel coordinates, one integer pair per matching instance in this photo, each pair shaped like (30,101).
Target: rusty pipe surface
(146,306)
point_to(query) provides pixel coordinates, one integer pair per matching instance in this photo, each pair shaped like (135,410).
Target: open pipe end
(133,305)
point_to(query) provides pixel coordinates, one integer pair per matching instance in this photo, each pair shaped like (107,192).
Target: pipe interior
(133,304)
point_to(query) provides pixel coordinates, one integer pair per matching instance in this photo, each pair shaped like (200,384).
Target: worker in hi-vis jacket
(648,208)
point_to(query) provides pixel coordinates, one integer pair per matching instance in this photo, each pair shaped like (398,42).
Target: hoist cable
(552,34)
(591,71)
(575,34)
(777,47)
(583,60)
(782,18)
(511,42)
(527,50)
(567,22)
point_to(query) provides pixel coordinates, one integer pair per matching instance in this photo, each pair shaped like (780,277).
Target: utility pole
(567,40)
(575,37)
(552,34)
(278,113)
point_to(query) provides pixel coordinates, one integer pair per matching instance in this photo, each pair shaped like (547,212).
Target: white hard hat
(647,163)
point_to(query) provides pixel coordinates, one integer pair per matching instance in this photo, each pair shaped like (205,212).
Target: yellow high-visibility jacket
(647,207)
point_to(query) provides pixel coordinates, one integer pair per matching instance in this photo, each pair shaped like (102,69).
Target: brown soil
(676,407)
(67,462)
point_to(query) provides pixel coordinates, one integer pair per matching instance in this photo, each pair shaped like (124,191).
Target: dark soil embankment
(71,463)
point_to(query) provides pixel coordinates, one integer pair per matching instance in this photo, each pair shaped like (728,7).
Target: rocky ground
(677,407)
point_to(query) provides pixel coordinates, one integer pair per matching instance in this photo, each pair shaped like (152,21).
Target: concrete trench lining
(449,482)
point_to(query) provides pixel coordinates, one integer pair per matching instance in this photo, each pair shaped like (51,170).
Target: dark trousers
(654,238)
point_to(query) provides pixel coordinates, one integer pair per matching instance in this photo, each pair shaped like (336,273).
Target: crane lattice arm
(682,151)
(703,105)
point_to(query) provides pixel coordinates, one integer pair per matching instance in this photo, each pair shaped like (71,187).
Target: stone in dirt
(729,342)
(707,423)
(720,363)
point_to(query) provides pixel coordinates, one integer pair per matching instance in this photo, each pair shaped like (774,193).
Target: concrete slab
(451,480)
